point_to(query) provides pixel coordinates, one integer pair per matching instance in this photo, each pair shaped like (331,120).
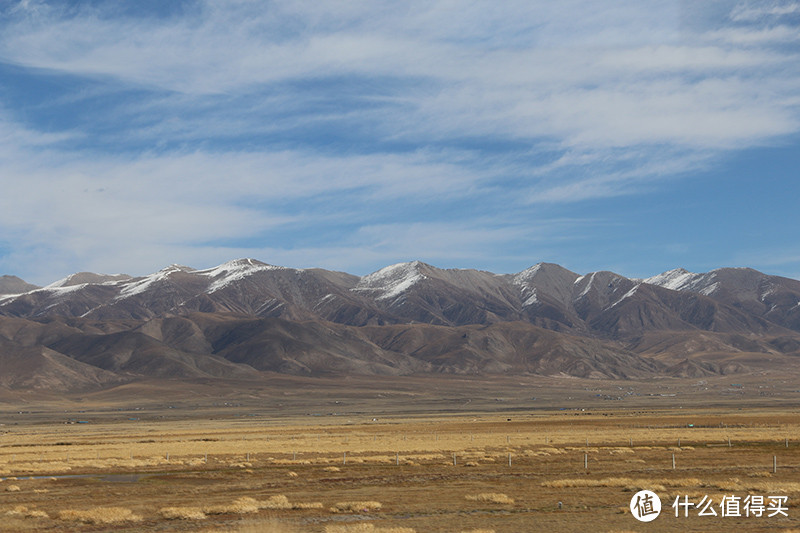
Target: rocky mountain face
(246,317)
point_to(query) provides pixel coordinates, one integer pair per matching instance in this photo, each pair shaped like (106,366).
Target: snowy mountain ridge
(246,316)
(545,294)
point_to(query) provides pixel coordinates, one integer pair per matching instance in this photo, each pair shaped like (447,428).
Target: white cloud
(753,11)
(239,111)
(126,213)
(617,74)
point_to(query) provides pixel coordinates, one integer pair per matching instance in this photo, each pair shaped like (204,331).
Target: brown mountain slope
(510,347)
(278,345)
(40,368)
(246,317)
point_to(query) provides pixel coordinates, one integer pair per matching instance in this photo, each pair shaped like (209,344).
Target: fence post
(673,461)
(774,464)
(586,461)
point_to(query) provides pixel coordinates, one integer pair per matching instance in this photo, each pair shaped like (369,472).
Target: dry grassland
(556,471)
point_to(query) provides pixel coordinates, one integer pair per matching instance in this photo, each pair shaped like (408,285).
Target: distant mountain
(246,317)
(773,298)
(14,285)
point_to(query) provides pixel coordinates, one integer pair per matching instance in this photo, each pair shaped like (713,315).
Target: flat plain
(446,454)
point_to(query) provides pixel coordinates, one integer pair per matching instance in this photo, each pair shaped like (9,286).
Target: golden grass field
(570,470)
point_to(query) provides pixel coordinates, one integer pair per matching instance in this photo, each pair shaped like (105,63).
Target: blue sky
(634,136)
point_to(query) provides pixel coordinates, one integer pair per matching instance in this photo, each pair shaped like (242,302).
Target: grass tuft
(100,515)
(493,497)
(24,512)
(356,507)
(182,513)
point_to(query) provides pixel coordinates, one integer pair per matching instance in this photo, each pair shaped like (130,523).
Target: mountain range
(244,318)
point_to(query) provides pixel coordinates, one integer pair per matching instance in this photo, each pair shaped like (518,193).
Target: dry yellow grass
(492,497)
(356,507)
(628,483)
(773,486)
(307,505)
(182,513)
(13,488)
(247,505)
(100,515)
(278,501)
(425,485)
(255,526)
(366,528)
(23,512)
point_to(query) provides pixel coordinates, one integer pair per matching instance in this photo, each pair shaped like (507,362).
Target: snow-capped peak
(139,285)
(87,278)
(680,279)
(391,281)
(63,282)
(676,279)
(526,275)
(235,270)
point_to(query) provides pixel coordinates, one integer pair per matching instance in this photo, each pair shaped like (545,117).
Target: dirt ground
(570,470)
